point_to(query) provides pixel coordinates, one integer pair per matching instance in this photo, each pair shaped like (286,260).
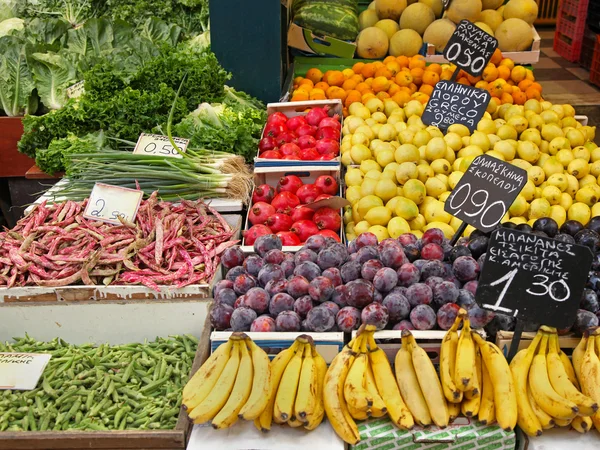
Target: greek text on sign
(452,103)
(21,371)
(107,203)
(534,278)
(76,90)
(485,192)
(158,145)
(470,48)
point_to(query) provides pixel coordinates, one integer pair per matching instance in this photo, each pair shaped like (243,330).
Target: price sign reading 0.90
(533,278)
(107,203)
(470,48)
(485,192)
(158,145)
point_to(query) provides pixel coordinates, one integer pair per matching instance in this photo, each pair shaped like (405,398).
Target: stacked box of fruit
(404,283)
(285,211)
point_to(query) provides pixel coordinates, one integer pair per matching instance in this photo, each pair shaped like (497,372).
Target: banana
(470,406)
(582,424)
(378,409)
(294,422)
(453,411)
(596,420)
(201,384)
(278,365)
(448,363)
(359,414)
(566,362)
(258,425)
(306,398)
(477,377)
(519,366)
(357,396)
(259,397)
(590,371)
(505,396)
(577,357)
(541,388)
(333,396)
(561,383)
(321,367)
(487,411)
(409,385)
(388,387)
(288,387)
(464,372)
(240,393)
(218,396)
(546,420)
(563,422)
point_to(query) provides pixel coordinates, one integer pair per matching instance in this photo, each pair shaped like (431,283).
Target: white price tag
(76,90)
(21,371)
(108,202)
(158,145)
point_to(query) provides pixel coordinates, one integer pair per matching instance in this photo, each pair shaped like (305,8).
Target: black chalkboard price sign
(533,278)
(470,48)
(452,103)
(485,192)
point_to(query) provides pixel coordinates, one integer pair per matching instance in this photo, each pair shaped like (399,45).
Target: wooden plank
(35,173)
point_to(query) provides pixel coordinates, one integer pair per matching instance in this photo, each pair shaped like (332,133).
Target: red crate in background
(587,48)
(595,70)
(570,27)
(567,47)
(575,8)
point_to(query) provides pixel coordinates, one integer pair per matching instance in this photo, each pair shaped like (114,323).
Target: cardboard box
(462,434)
(561,439)
(305,40)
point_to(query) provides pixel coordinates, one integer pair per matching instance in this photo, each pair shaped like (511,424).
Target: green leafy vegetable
(75,12)
(17,95)
(11,26)
(53,159)
(9,9)
(52,74)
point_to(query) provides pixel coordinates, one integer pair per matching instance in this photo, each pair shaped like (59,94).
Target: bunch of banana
(547,388)
(233,383)
(295,394)
(419,384)
(587,367)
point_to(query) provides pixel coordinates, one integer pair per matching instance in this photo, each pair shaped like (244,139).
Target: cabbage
(8,9)
(8,26)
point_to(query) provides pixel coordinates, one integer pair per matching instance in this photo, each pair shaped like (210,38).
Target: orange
(357,68)
(446,74)
(377,64)
(417,61)
(412,87)
(381,84)
(383,72)
(352,97)
(335,78)
(347,73)
(382,95)
(435,68)
(393,89)
(369,81)
(366,97)
(402,60)
(336,92)
(423,98)
(314,75)
(299,96)
(504,72)
(537,86)
(404,78)
(317,94)
(529,75)
(361,87)
(523,85)
(349,84)
(304,87)
(519,97)
(401,97)
(388,58)
(493,105)
(482,84)
(297,80)
(496,57)
(473,80)
(532,92)
(368,70)
(426,89)
(506,98)
(358,78)
(393,66)
(308,82)
(322,85)
(417,74)
(508,63)
(490,73)
(464,80)
(510,82)
(430,78)
(518,73)
(345,112)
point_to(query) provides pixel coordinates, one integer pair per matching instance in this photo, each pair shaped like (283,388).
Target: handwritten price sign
(470,48)
(21,371)
(158,145)
(107,203)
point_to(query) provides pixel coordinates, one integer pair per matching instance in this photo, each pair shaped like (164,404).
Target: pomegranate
(274,129)
(306,130)
(326,157)
(306,141)
(304,229)
(315,115)
(288,238)
(285,137)
(294,123)
(328,133)
(271,154)
(285,202)
(260,212)
(329,233)
(279,222)
(322,197)
(289,183)
(263,193)
(327,146)
(327,184)
(326,219)
(254,233)
(293,157)
(267,143)
(289,149)
(333,122)
(277,117)
(307,193)
(301,213)
(309,154)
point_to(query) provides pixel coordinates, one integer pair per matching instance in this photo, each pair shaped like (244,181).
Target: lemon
(528,190)
(373,175)
(579,212)
(470,150)
(518,220)
(582,152)
(572,185)
(576,137)
(550,116)
(536,174)
(552,166)
(443,178)
(385,189)
(507,132)
(434,131)
(347,159)
(496,155)
(379,215)
(418,223)
(387,132)
(389,175)
(391,204)
(349,227)
(454,141)
(385,157)
(552,194)
(578,168)
(588,179)
(587,195)
(466,162)
(540,207)
(441,166)
(480,140)
(353,177)
(361,227)
(590,132)
(422,137)
(450,155)
(596,210)
(551,131)
(519,123)
(348,215)
(455,223)
(406,171)
(456,164)
(454,178)
(564,157)
(379,117)
(506,149)
(398,226)
(405,136)
(434,212)
(368,186)
(407,153)
(435,149)
(368,165)
(519,207)
(558,143)
(559,180)
(366,203)
(360,138)
(595,168)
(527,151)
(595,152)
(424,172)
(360,153)
(444,227)
(380,231)
(353,194)
(521,163)
(435,187)
(444,196)
(565,201)
(414,190)
(486,126)
(415,121)
(459,129)
(356,217)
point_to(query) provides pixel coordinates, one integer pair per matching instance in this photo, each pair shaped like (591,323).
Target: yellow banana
(359,414)
(590,371)
(487,411)
(321,367)
(519,366)
(464,372)
(472,399)
(453,411)
(357,396)
(477,377)
(333,396)
(563,422)
(596,421)
(541,388)
(288,387)
(201,384)
(278,366)
(561,383)
(505,396)
(218,396)
(409,385)
(582,424)
(448,363)
(306,398)
(378,409)
(388,387)
(240,393)
(570,371)
(545,420)
(258,425)
(577,357)
(259,397)
(294,422)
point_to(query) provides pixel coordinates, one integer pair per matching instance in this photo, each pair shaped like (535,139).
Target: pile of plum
(404,283)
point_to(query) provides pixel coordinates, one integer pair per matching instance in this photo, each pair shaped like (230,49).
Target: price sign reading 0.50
(158,145)
(108,203)
(470,48)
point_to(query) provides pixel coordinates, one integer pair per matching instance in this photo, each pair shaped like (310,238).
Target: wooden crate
(114,323)
(504,338)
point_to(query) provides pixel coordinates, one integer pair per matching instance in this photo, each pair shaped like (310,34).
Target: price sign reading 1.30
(485,192)
(533,278)
(107,203)
(158,145)
(470,48)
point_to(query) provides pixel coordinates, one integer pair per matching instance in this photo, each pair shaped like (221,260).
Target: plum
(304,255)
(281,302)
(479,317)
(367,253)
(333,256)
(232,274)
(478,246)
(375,314)
(340,295)
(274,256)
(227,296)
(423,317)
(444,292)
(419,294)
(270,272)
(350,271)
(334,275)
(412,252)
(348,319)
(242,318)
(432,252)
(471,286)
(465,268)
(500,322)
(303,305)
(432,282)
(220,316)
(320,319)
(459,250)
(584,321)
(433,268)
(276,286)
(433,236)
(265,243)
(360,293)
(308,270)
(288,321)
(377,296)
(446,315)
(397,305)
(404,325)
(366,239)
(315,243)
(465,299)
(253,264)
(408,274)
(589,301)
(232,257)
(220,285)
(288,267)
(331,305)
(370,268)
(257,299)
(297,286)
(320,289)
(263,324)
(244,283)
(385,279)
(392,255)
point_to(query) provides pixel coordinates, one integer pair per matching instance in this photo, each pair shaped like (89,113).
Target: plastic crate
(571,18)
(587,48)
(595,70)
(568,48)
